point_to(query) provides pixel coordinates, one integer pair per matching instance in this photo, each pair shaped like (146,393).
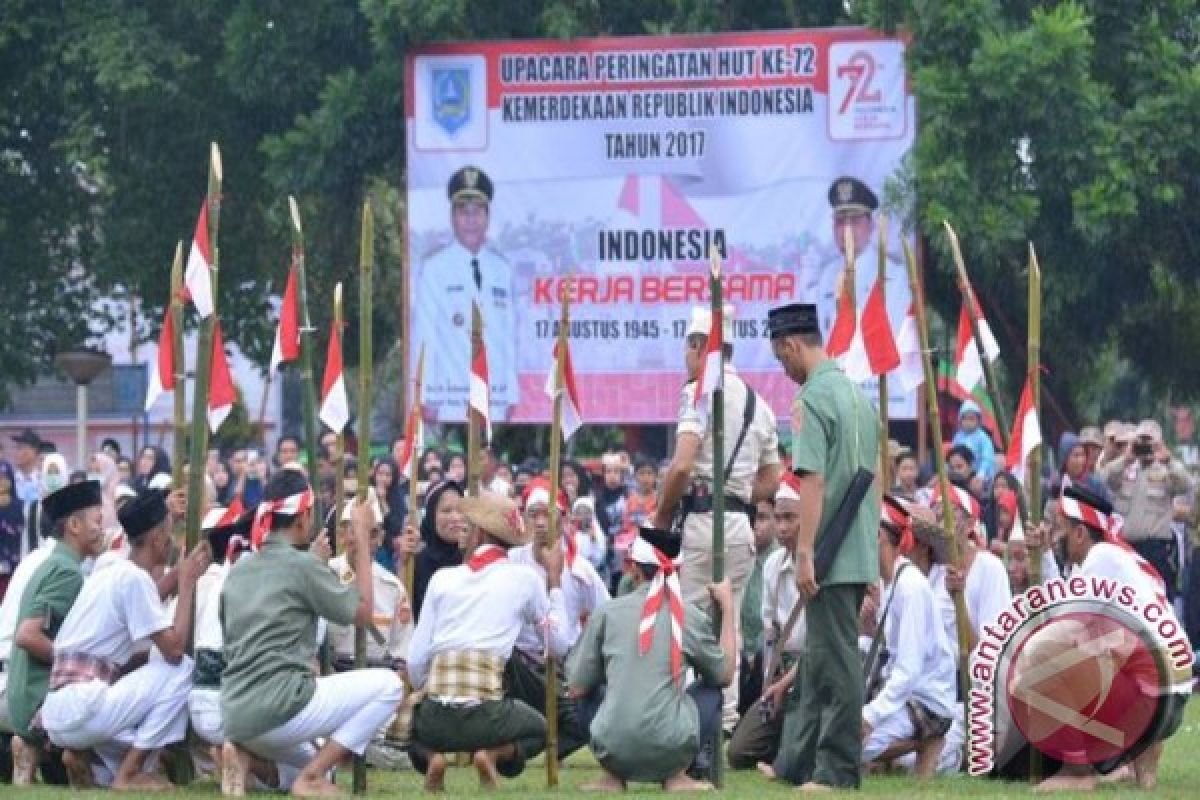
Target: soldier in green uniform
(648,727)
(834,434)
(74,512)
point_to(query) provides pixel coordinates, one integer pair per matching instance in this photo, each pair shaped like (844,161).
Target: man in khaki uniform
(751,474)
(1144,482)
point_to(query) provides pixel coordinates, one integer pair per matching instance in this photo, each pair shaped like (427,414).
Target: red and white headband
(290,505)
(1108,524)
(962,498)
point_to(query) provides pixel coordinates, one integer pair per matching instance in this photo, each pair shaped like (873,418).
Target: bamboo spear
(365,369)
(1034,466)
(974,314)
(306,353)
(179,365)
(195,510)
(474,419)
(413,431)
(339,455)
(552,533)
(961,619)
(885,465)
(717,308)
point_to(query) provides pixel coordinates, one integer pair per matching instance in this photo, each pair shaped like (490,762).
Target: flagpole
(718,492)
(307,332)
(474,418)
(974,315)
(339,478)
(552,534)
(204,347)
(1034,465)
(179,367)
(365,368)
(960,607)
(885,465)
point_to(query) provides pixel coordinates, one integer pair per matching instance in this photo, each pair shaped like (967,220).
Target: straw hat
(497,516)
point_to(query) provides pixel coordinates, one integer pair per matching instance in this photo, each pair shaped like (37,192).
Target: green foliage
(1071,124)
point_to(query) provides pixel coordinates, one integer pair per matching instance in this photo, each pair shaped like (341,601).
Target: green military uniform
(269,609)
(647,728)
(752,620)
(834,433)
(50,594)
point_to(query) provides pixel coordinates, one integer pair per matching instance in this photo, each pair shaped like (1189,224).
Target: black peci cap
(795,318)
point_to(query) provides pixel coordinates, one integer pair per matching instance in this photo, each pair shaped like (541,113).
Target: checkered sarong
(72,668)
(462,675)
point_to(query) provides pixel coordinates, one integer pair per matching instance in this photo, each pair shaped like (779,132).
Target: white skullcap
(372,499)
(701,322)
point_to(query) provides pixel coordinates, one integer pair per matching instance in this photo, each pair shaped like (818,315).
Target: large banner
(617,163)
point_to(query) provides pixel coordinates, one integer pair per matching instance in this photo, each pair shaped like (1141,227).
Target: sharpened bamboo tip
(216,161)
(295,212)
(714,260)
(337,295)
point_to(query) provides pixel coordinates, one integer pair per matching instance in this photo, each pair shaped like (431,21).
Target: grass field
(1178,778)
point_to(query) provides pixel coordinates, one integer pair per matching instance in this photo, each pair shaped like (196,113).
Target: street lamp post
(82,367)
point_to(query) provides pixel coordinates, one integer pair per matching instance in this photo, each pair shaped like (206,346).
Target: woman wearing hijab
(442,530)
(12,525)
(104,469)
(392,498)
(151,462)
(54,477)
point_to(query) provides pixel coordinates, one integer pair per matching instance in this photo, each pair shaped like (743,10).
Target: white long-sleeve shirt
(208,635)
(484,611)
(583,592)
(921,660)
(16,588)
(779,597)
(987,593)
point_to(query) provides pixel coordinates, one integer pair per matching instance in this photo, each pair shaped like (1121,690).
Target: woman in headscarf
(105,469)
(54,477)
(443,528)
(395,506)
(12,525)
(151,462)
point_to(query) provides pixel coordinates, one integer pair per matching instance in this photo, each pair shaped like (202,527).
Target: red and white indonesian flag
(1026,433)
(572,413)
(712,372)
(911,372)
(480,397)
(287,335)
(335,403)
(221,392)
(414,438)
(162,370)
(969,370)
(197,278)
(863,347)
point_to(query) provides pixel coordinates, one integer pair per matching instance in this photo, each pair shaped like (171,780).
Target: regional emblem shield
(451,97)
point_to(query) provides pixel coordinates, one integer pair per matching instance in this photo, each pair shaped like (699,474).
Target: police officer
(1144,481)
(854,205)
(834,434)
(751,474)
(468,269)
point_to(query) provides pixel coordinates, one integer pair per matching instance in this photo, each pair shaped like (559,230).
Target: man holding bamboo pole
(751,473)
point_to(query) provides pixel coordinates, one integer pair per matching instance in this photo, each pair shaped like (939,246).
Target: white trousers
(5,719)
(950,761)
(144,710)
(348,707)
(204,707)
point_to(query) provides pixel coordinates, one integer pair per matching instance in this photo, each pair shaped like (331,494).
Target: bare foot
(435,773)
(306,786)
(489,778)
(1122,774)
(142,782)
(234,765)
(682,783)
(813,786)
(768,770)
(1067,782)
(1145,766)
(606,783)
(25,759)
(78,764)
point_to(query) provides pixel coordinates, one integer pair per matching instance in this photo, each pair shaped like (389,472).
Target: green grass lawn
(1179,778)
